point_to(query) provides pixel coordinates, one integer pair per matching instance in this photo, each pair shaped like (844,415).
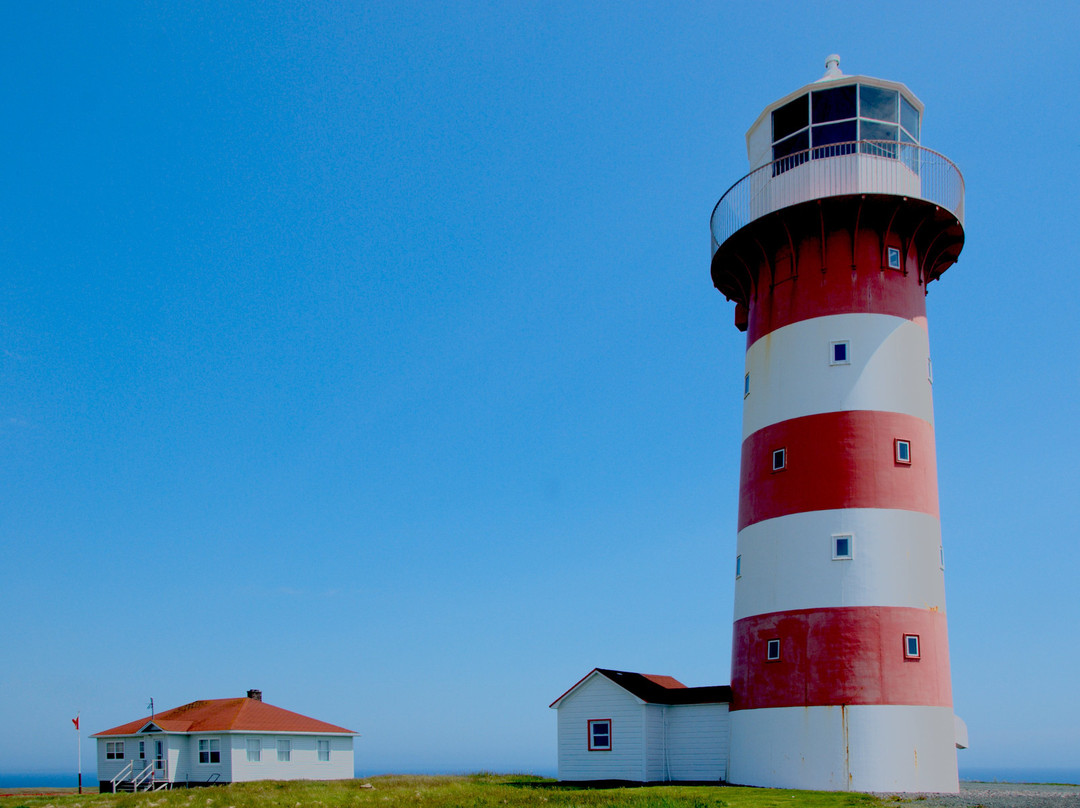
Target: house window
(254,750)
(738,566)
(894,258)
(324,750)
(911,646)
(839,353)
(843,546)
(772,652)
(779,459)
(284,751)
(903,451)
(209,750)
(746,385)
(114,750)
(600,735)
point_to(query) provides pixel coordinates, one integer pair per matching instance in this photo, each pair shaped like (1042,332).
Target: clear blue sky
(366,353)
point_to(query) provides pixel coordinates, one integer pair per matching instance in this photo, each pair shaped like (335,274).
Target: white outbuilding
(618,725)
(221,741)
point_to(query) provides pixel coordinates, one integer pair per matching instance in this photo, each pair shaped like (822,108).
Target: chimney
(255,694)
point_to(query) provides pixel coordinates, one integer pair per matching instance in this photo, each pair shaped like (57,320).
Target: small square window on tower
(839,353)
(911,646)
(600,735)
(779,459)
(843,546)
(738,566)
(772,651)
(746,385)
(894,258)
(903,451)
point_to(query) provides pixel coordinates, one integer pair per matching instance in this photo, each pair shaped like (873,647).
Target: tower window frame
(746,385)
(892,258)
(738,566)
(912,648)
(902,451)
(840,352)
(843,546)
(779,459)
(772,650)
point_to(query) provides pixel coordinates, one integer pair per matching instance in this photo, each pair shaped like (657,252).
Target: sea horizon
(980,774)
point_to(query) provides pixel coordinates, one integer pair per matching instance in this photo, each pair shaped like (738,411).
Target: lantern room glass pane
(790,118)
(877,103)
(792,146)
(833,105)
(830,133)
(909,117)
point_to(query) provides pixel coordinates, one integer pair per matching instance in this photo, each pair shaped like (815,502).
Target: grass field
(468,791)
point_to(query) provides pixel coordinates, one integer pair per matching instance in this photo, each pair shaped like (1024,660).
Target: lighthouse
(840,660)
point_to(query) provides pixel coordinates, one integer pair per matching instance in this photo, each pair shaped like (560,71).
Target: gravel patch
(995,795)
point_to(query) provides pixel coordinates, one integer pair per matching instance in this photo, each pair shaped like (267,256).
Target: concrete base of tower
(894,748)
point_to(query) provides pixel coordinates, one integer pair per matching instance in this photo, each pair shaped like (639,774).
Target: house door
(159,759)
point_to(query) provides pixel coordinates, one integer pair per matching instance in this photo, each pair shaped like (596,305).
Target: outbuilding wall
(599,698)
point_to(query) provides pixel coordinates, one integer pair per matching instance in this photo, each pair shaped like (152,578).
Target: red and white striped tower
(840,659)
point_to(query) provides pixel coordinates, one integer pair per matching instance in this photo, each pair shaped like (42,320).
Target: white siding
(655,732)
(304,763)
(599,697)
(698,737)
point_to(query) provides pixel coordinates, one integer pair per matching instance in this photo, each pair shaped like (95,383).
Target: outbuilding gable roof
(223,715)
(654,689)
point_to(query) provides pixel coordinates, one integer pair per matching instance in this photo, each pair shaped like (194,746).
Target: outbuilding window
(209,750)
(324,750)
(114,750)
(911,646)
(600,735)
(254,750)
(772,651)
(284,751)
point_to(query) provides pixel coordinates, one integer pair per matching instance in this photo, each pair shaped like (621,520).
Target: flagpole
(78,747)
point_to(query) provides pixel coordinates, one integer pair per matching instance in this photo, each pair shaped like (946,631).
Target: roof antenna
(150,707)
(832,66)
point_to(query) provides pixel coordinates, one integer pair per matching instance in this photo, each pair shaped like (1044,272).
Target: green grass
(469,791)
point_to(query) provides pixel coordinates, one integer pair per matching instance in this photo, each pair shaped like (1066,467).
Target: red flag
(75,721)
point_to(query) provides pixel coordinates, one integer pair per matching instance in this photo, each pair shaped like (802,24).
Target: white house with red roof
(618,725)
(222,741)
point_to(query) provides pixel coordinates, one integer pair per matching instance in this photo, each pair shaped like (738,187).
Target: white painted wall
(599,697)
(790,374)
(303,763)
(698,739)
(650,742)
(892,748)
(787,562)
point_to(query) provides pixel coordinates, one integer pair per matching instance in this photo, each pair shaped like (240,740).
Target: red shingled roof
(222,715)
